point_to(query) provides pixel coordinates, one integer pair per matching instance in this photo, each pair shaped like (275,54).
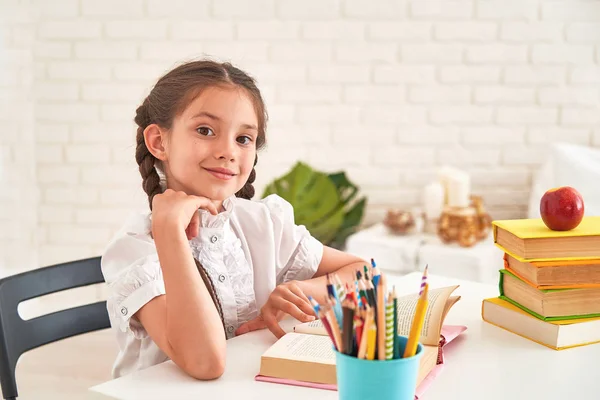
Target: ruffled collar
(207,220)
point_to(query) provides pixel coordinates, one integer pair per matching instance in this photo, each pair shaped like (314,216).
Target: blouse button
(124,310)
(230,328)
(214,239)
(221,278)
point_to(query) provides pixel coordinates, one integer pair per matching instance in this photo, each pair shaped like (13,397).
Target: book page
(432,324)
(301,347)
(311,328)
(437,309)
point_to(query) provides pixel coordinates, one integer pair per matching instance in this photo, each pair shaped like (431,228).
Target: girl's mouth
(221,173)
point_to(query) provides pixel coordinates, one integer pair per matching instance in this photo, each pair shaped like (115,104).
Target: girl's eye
(244,139)
(205,131)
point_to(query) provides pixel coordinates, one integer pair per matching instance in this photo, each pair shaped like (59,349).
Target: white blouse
(246,250)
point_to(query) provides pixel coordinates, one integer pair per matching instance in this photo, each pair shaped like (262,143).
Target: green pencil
(389,329)
(395,327)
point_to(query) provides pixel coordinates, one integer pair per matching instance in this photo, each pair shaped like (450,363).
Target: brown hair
(171,94)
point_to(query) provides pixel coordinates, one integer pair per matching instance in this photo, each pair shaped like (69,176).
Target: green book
(549,304)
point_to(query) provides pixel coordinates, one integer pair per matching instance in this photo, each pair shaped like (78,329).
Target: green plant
(326,203)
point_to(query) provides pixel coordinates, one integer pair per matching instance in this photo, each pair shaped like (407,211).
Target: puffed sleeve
(132,272)
(297,253)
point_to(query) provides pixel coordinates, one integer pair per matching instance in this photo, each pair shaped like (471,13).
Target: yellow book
(530,239)
(557,335)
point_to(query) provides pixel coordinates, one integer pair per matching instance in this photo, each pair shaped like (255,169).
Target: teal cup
(359,379)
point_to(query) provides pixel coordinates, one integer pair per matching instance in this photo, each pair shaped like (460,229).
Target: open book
(440,302)
(305,356)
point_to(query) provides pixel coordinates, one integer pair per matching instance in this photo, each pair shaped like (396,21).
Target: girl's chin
(216,195)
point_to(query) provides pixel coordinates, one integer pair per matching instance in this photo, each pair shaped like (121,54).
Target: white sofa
(568,165)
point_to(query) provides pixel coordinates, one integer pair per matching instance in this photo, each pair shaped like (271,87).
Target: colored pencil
(371,294)
(381,325)
(347,330)
(423,279)
(371,338)
(417,324)
(362,348)
(375,272)
(340,288)
(358,328)
(335,329)
(336,304)
(395,306)
(389,328)
(327,327)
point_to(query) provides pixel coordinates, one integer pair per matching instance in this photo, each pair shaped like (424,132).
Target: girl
(207,263)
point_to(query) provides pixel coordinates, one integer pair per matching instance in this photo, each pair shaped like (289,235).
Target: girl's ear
(155,141)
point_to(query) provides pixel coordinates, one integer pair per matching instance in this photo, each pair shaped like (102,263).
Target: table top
(484,362)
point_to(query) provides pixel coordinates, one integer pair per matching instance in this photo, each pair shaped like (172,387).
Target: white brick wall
(18,197)
(387,90)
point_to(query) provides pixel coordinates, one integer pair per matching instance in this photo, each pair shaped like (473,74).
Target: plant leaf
(346,188)
(314,198)
(352,220)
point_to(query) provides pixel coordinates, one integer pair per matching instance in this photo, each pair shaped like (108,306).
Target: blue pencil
(337,306)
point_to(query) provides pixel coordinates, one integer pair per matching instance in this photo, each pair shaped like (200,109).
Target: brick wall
(388,90)
(18,193)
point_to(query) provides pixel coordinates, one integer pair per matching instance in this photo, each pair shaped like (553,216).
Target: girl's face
(211,148)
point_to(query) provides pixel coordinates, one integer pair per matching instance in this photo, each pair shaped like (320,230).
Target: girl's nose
(226,150)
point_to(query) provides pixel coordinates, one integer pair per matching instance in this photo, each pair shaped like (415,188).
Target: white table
(409,253)
(485,362)
(479,263)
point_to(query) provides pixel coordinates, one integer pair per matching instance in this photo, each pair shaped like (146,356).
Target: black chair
(18,336)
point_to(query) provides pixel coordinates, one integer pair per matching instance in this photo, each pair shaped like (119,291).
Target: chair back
(18,336)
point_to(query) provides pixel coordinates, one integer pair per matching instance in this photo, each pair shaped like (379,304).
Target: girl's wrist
(169,232)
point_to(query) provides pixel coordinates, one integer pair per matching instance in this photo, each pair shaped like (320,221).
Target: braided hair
(167,99)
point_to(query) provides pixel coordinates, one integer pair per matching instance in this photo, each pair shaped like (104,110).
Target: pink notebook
(449,333)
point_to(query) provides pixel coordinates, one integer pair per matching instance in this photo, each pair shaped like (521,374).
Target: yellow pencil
(417,324)
(371,340)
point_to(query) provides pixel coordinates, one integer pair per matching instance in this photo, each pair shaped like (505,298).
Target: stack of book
(549,289)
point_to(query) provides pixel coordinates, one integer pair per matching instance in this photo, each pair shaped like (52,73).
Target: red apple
(562,208)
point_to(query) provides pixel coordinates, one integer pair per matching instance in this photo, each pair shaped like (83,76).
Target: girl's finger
(205,204)
(271,322)
(298,292)
(252,325)
(192,229)
(290,308)
(300,301)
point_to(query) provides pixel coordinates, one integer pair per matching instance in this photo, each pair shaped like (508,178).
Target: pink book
(449,333)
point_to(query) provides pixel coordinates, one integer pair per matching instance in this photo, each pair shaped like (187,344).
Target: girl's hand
(287,298)
(178,210)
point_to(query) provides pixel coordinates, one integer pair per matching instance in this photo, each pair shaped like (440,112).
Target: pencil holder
(360,379)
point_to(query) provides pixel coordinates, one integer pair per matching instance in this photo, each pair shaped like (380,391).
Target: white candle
(459,190)
(445,173)
(433,200)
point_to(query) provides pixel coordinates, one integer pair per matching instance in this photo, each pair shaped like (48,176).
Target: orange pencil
(362,349)
(381,317)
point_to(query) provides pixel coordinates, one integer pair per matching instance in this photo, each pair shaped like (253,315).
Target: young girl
(207,263)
